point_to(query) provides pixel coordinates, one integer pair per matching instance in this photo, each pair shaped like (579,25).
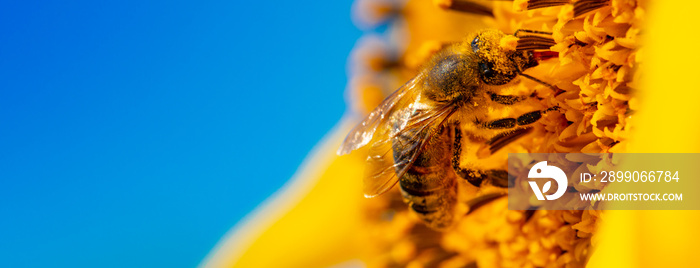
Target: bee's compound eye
(475,44)
(486,69)
(493,76)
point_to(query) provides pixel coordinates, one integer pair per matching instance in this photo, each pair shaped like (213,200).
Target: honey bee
(414,134)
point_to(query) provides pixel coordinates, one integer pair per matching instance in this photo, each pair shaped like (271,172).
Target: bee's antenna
(538,81)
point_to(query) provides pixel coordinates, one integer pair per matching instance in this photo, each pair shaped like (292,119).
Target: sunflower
(321,219)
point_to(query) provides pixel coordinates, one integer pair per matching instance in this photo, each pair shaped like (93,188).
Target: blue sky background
(136,133)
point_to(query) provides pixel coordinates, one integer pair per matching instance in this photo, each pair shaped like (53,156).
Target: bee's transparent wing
(362,134)
(387,163)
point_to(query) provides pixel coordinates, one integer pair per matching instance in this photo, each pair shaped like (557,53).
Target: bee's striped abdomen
(429,186)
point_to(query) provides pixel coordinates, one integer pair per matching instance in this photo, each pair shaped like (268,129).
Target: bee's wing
(362,134)
(385,164)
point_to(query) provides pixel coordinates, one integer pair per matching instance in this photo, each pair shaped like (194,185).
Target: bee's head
(498,62)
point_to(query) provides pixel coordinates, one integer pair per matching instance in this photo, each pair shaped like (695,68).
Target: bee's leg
(484,199)
(494,177)
(497,177)
(457,151)
(472,176)
(479,201)
(503,139)
(525,119)
(508,99)
(528,214)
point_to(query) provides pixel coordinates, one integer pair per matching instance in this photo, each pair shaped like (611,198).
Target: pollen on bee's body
(447,75)
(509,43)
(487,44)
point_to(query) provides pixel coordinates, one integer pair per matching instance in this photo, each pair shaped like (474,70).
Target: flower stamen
(535,4)
(464,6)
(584,6)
